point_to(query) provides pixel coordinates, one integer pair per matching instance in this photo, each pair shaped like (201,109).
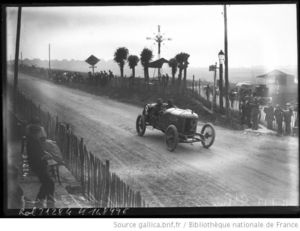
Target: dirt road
(239,169)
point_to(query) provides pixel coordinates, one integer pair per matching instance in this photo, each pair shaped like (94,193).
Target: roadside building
(282,87)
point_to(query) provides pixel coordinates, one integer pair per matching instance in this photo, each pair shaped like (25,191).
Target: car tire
(140,125)
(171,137)
(208,131)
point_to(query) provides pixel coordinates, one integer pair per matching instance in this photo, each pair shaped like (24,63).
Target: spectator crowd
(284,119)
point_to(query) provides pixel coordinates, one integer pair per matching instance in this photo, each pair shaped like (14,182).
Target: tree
(173,64)
(182,60)
(120,56)
(185,65)
(146,57)
(132,62)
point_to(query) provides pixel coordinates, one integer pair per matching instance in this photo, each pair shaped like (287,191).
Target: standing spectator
(207,92)
(296,123)
(110,75)
(287,118)
(163,81)
(243,112)
(232,97)
(278,113)
(167,79)
(37,159)
(254,112)
(269,110)
(248,111)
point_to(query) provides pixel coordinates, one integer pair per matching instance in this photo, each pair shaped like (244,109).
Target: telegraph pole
(49,68)
(214,89)
(214,69)
(221,86)
(159,39)
(226,62)
(17,57)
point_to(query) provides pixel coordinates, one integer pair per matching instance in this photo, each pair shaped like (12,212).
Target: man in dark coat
(207,89)
(243,111)
(295,128)
(269,110)
(278,113)
(37,160)
(248,111)
(254,113)
(287,118)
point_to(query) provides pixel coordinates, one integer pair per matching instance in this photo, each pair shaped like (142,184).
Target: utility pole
(226,62)
(16,70)
(214,69)
(49,68)
(221,86)
(159,39)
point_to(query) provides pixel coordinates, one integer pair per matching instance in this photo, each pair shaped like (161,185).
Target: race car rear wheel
(171,138)
(140,125)
(208,135)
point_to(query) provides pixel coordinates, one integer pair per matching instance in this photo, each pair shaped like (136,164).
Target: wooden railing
(99,184)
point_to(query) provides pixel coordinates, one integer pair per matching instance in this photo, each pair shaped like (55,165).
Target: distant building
(280,85)
(277,81)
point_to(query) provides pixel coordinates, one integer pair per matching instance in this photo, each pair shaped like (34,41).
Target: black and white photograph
(126,107)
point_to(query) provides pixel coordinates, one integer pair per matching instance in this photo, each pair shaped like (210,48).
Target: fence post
(193,85)
(199,88)
(49,132)
(88,177)
(107,182)
(82,161)
(92,175)
(56,126)
(39,113)
(103,189)
(67,139)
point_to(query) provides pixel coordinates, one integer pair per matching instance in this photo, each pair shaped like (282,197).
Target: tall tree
(146,57)
(132,62)
(120,57)
(180,62)
(173,64)
(185,65)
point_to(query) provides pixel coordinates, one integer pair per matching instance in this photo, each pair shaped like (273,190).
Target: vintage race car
(179,125)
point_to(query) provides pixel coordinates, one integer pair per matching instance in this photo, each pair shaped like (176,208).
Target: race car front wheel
(208,135)
(140,125)
(171,138)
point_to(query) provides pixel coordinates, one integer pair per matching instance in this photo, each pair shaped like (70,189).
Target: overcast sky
(257,34)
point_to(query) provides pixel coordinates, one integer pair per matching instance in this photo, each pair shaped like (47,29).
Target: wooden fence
(99,184)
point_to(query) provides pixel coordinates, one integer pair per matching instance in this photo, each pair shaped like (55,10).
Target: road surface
(240,169)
